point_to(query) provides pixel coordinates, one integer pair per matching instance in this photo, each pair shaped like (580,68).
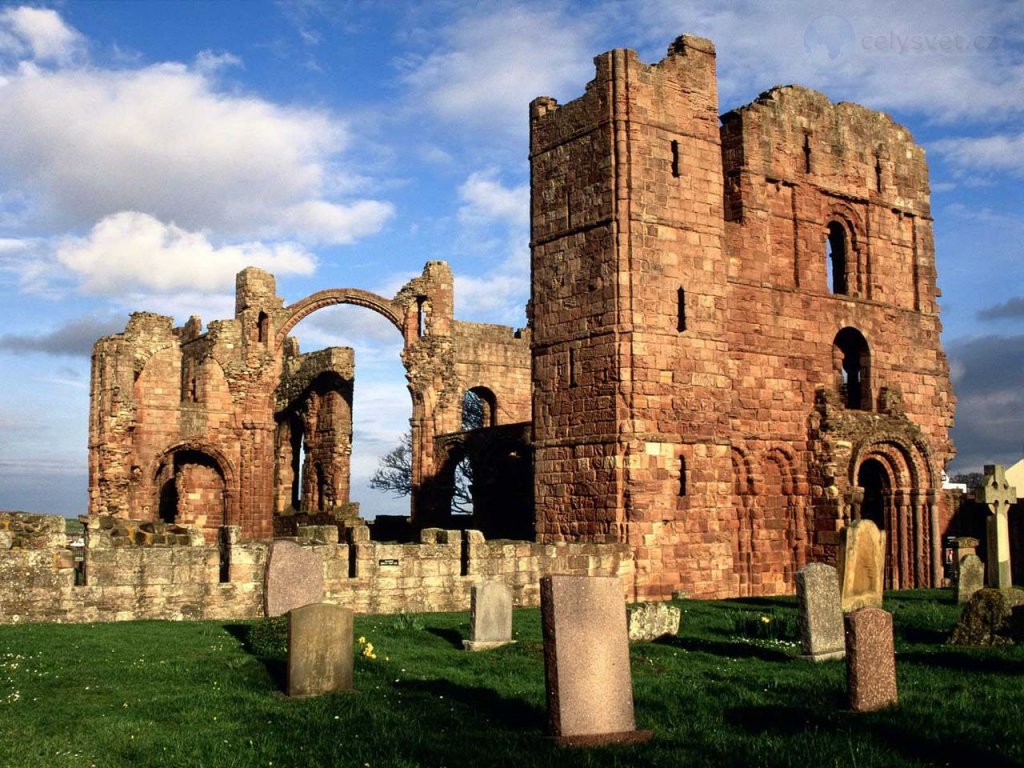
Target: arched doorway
(191,490)
(876,506)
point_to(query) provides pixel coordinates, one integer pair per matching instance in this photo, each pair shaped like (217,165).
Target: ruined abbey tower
(735,334)
(733,350)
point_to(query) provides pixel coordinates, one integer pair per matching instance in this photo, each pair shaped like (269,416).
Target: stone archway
(895,483)
(191,486)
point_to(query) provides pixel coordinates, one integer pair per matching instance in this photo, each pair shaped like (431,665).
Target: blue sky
(149,150)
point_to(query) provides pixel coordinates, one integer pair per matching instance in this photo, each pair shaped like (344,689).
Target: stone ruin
(732,352)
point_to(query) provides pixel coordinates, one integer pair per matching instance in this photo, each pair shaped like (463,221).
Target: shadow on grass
(503,713)
(452,636)
(717,648)
(764,602)
(277,668)
(786,721)
(950,751)
(965,662)
(922,636)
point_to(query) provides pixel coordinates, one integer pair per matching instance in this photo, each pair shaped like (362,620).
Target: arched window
(479,409)
(852,361)
(836,249)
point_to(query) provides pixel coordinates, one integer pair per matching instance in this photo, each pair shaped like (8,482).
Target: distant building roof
(1015,477)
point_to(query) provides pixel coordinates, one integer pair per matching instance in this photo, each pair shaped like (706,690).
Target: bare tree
(394,470)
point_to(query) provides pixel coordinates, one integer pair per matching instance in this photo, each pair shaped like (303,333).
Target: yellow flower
(766,620)
(362,640)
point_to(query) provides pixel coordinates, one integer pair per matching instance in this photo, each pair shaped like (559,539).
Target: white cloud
(998,152)
(169,141)
(495,221)
(323,222)
(489,67)
(38,33)
(131,251)
(486,199)
(949,60)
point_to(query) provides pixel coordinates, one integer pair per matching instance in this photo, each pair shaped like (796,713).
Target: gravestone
(490,616)
(295,577)
(870,660)
(586,661)
(319,650)
(998,495)
(861,565)
(821,615)
(649,621)
(970,577)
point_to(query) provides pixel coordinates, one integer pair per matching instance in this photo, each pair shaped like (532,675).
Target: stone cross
(998,495)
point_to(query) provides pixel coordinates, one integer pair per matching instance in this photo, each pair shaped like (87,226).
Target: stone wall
(141,571)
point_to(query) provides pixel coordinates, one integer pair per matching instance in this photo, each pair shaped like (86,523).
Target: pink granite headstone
(586,661)
(870,660)
(295,577)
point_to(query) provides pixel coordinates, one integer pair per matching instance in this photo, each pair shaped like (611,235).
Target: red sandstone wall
(684,325)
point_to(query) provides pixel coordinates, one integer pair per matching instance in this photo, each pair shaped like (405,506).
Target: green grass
(727,691)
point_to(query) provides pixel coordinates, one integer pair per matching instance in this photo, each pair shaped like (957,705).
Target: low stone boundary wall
(144,571)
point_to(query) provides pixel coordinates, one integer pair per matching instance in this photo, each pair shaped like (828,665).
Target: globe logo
(828,39)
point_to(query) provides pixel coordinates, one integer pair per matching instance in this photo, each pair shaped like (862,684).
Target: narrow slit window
(682,475)
(807,153)
(681,310)
(675,158)
(836,252)
(572,367)
(878,174)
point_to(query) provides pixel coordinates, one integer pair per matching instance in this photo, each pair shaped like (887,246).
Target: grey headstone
(295,577)
(490,617)
(821,615)
(319,650)
(970,577)
(649,621)
(586,661)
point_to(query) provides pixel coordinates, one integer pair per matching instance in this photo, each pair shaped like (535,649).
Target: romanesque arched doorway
(894,486)
(877,505)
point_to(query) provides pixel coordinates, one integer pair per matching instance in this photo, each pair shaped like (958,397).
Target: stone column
(936,541)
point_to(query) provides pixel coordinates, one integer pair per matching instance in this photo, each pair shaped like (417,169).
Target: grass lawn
(727,691)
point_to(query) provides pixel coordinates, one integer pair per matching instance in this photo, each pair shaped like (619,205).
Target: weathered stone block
(821,617)
(649,621)
(490,616)
(320,645)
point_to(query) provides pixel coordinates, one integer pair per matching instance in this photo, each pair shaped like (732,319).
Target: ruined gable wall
(496,357)
(793,163)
